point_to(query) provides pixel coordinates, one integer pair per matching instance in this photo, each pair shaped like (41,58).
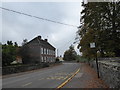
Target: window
(44,51)
(41,50)
(47,51)
(51,59)
(52,52)
(42,59)
(45,59)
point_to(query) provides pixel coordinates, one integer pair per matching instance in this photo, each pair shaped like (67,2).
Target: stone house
(39,51)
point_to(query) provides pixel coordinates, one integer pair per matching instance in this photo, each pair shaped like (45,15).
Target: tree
(70,54)
(85,44)
(8,53)
(104,20)
(24,53)
(15,44)
(9,43)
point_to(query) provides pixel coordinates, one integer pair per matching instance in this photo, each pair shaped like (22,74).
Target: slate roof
(41,42)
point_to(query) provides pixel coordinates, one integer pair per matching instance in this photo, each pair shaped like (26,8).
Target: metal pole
(57,52)
(92,45)
(97,65)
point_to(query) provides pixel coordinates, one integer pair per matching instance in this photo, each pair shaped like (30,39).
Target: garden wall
(23,68)
(109,71)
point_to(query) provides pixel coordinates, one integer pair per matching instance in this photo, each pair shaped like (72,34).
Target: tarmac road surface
(43,78)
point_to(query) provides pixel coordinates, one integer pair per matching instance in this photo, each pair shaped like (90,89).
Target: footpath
(85,78)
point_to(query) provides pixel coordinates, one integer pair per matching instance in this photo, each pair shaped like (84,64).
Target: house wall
(34,52)
(47,54)
(40,50)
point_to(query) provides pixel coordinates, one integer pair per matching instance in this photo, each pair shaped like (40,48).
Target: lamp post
(92,45)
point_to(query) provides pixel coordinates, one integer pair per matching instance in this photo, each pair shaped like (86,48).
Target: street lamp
(92,45)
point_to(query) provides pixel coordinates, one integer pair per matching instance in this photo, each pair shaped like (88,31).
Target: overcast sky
(17,27)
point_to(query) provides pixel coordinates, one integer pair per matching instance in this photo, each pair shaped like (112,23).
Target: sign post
(92,45)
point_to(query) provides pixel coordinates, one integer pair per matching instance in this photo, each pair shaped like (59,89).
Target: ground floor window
(42,59)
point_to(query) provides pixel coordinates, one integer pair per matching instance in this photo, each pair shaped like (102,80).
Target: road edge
(27,72)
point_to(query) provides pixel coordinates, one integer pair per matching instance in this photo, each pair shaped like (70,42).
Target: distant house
(61,58)
(38,51)
(18,59)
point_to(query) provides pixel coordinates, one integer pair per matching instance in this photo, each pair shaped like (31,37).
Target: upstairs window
(41,50)
(44,50)
(48,51)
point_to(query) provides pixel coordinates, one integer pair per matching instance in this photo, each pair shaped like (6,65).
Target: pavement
(43,78)
(85,78)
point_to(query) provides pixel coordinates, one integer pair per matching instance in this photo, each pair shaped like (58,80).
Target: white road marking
(27,84)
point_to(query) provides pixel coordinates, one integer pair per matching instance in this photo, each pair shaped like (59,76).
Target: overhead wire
(45,19)
(64,45)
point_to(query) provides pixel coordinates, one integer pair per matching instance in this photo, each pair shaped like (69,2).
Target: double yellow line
(60,86)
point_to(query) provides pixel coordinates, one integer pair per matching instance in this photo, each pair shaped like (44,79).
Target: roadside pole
(57,53)
(92,45)
(97,65)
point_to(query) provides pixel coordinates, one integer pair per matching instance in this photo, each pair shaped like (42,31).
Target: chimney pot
(39,37)
(46,40)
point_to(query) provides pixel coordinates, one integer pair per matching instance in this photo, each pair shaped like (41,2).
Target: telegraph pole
(57,53)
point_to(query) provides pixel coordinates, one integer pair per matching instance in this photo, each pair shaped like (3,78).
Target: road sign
(92,45)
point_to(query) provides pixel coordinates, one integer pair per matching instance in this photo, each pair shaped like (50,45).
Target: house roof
(41,41)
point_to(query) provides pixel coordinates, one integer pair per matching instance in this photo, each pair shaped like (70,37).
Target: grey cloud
(18,27)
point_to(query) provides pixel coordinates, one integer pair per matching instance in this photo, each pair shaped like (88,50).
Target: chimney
(39,37)
(46,40)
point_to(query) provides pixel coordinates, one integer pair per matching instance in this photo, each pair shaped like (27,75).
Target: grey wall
(34,51)
(109,69)
(23,68)
(20,68)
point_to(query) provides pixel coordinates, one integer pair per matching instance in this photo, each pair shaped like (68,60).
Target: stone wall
(23,68)
(109,71)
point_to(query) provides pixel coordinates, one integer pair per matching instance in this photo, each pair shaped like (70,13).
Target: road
(44,78)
